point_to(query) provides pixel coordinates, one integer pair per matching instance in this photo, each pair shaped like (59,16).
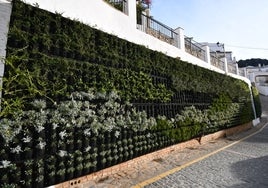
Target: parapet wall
(5,12)
(101,15)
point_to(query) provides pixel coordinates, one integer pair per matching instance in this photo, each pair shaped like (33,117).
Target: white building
(218,50)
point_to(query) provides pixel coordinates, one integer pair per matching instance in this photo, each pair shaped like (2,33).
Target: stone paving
(244,165)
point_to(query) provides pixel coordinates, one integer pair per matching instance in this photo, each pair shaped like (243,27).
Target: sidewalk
(131,174)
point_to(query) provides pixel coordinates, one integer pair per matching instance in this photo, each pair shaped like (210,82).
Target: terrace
(157,29)
(153,27)
(194,48)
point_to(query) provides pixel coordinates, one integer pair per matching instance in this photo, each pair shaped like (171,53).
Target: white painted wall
(101,15)
(5,12)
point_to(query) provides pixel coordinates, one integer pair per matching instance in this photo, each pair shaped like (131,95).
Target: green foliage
(191,116)
(73,40)
(68,91)
(22,85)
(162,123)
(221,103)
(26,80)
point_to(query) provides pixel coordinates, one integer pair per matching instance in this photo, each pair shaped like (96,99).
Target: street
(244,163)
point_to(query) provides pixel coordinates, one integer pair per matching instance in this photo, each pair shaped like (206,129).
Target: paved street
(244,164)
(264,101)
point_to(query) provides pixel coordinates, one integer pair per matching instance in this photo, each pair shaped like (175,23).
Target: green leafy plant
(73,81)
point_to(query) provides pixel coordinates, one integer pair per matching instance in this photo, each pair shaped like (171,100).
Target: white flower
(55,125)
(63,134)
(113,95)
(9,129)
(16,149)
(116,134)
(62,120)
(87,132)
(68,125)
(100,95)
(73,121)
(5,164)
(41,145)
(87,149)
(62,153)
(39,128)
(27,139)
(40,104)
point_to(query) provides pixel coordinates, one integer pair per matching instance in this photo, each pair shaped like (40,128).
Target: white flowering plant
(98,111)
(91,111)
(5,164)
(191,116)
(10,128)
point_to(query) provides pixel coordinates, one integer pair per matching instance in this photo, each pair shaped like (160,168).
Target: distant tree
(252,62)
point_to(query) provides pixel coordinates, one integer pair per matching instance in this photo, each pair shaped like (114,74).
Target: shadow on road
(253,172)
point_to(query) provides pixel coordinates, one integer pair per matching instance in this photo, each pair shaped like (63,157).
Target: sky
(241,25)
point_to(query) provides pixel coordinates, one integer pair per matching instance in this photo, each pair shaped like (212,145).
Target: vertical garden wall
(77,100)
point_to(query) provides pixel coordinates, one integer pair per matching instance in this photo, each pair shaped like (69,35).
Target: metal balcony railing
(165,33)
(231,68)
(241,72)
(194,48)
(216,61)
(157,29)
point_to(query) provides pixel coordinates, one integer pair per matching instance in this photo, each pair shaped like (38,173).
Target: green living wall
(77,100)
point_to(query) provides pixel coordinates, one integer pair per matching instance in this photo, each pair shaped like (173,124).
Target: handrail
(158,26)
(231,68)
(241,72)
(194,48)
(157,29)
(216,61)
(165,33)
